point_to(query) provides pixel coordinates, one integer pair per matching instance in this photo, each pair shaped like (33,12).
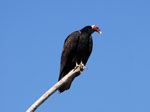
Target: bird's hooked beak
(96,28)
(99,31)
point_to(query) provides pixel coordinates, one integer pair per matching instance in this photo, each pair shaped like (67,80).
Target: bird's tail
(65,86)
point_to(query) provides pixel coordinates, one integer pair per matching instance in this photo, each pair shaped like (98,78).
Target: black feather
(77,48)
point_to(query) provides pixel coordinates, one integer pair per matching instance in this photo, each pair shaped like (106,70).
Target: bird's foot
(82,66)
(81,63)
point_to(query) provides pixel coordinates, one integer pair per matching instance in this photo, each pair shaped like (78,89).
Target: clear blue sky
(32,33)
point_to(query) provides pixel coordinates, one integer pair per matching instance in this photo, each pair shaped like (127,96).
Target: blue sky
(31,41)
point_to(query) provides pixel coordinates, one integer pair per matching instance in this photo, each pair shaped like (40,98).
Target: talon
(85,67)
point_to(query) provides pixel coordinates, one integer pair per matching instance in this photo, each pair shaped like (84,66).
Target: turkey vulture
(77,49)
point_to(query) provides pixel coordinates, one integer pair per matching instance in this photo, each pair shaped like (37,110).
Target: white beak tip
(100,32)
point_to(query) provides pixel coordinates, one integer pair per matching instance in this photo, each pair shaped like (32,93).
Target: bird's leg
(81,63)
(76,66)
(84,67)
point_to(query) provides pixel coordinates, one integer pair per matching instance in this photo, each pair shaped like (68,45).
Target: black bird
(77,48)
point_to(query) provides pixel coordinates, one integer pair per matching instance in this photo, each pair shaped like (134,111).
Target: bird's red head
(96,28)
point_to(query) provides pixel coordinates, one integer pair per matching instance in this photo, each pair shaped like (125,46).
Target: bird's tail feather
(65,86)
